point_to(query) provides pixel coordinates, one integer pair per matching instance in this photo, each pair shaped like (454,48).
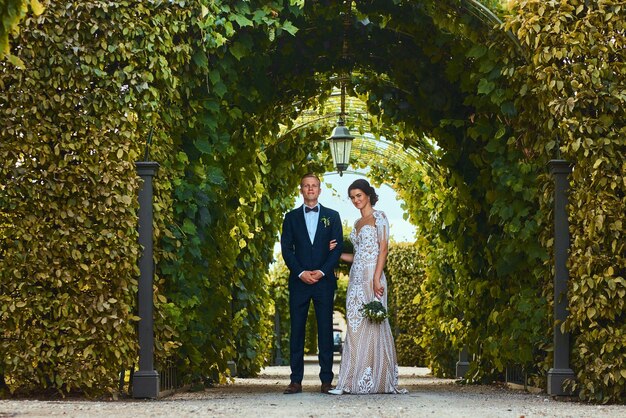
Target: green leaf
(486,66)
(203,145)
(501,131)
(16,61)
(188,227)
(214,76)
(239,50)
(449,217)
(289,28)
(200,59)
(216,176)
(492,145)
(477,51)
(508,108)
(485,86)
(241,20)
(220,89)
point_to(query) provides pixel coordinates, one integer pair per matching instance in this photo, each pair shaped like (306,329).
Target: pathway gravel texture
(262,397)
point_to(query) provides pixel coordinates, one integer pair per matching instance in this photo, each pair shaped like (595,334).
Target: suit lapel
(302,222)
(319,219)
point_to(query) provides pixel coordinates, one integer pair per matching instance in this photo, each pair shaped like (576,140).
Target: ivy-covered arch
(97,78)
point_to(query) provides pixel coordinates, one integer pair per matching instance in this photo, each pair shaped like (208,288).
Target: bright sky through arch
(336,197)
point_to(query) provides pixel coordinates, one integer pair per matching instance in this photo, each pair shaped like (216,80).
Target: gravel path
(262,397)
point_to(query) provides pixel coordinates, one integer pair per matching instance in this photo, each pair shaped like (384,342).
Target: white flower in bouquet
(374,311)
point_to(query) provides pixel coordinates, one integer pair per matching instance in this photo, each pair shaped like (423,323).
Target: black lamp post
(146,380)
(560,371)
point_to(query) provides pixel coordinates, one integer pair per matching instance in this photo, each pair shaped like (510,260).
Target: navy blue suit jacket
(298,251)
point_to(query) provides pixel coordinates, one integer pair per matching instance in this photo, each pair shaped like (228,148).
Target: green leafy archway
(218,82)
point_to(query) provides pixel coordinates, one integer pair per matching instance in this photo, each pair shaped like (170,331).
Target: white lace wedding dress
(368,361)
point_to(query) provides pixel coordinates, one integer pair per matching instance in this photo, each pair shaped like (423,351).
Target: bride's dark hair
(363,184)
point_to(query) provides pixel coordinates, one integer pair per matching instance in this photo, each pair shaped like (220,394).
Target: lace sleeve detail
(382,226)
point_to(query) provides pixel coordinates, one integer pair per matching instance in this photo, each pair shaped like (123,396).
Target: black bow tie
(308,209)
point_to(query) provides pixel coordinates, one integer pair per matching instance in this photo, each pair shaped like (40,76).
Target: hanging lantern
(340,146)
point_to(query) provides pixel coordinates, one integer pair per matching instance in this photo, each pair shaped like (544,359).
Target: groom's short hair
(307,175)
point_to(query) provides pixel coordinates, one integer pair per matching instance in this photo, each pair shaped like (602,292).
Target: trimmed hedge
(68,241)
(570,93)
(405,274)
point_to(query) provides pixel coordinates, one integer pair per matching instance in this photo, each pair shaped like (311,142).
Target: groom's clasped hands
(311,276)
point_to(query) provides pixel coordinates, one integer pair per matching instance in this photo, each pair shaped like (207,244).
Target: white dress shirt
(312,219)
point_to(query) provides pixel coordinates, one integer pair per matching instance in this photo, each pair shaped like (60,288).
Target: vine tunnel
(417,83)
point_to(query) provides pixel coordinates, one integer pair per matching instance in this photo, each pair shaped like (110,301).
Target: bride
(368,361)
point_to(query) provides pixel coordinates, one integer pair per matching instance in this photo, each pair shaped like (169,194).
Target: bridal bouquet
(374,311)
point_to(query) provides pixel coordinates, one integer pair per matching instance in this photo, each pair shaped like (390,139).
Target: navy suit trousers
(300,296)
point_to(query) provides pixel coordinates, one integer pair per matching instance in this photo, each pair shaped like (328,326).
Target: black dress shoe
(326,387)
(293,388)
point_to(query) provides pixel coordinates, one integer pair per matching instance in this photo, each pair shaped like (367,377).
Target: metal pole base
(461,368)
(232,367)
(146,384)
(556,379)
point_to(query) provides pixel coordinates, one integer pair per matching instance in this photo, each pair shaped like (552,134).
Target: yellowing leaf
(591,312)
(37,7)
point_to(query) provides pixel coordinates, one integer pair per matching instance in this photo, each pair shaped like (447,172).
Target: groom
(307,232)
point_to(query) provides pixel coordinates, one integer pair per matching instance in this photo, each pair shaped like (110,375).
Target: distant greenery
(279,294)
(405,275)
